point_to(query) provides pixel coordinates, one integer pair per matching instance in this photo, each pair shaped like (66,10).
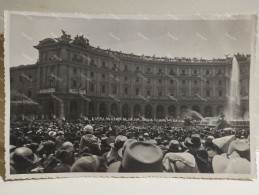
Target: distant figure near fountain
(233,107)
(188,121)
(222,123)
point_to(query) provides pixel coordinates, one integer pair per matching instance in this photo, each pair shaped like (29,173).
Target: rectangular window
(103,88)
(195,82)
(220,93)
(160,81)
(29,93)
(207,72)
(74,83)
(171,72)
(114,90)
(148,80)
(183,82)
(220,82)
(92,74)
(183,72)
(75,70)
(115,67)
(172,81)
(92,87)
(148,93)
(137,91)
(126,91)
(207,93)
(125,78)
(103,76)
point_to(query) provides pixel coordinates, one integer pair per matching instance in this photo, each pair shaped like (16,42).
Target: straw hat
(237,165)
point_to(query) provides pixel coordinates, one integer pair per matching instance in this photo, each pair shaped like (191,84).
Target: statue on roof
(65,37)
(81,41)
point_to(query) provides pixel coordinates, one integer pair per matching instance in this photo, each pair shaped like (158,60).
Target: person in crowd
(88,140)
(23,160)
(112,155)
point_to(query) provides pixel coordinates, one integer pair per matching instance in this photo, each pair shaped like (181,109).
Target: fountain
(194,114)
(234,95)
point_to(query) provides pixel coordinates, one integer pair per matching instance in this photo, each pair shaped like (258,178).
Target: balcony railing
(47,90)
(77,91)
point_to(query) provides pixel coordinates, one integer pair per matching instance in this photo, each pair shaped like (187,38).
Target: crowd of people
(100,145)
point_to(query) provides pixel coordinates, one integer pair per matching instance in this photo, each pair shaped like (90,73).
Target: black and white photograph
(128,96)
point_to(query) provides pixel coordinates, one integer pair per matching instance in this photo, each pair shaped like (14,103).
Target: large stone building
(71,78)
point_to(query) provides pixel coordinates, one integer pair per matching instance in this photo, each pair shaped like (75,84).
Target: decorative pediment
(47,41)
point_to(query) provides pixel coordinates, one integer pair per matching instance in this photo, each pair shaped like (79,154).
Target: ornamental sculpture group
(78,40)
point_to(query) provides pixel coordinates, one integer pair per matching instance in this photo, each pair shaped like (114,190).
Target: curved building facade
(72,78)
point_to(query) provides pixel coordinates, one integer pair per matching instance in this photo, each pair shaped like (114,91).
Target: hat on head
(140,157)
(12,148)
(241,147)
(52,133)
(65,154)
(186,143)
(103,137)
(140,138)
(62,168)
(152,141)
(180,162)
(165,142)
(88,129)
(86,164)
(209,138)
(174,145)
(67,145)
(60,132)
(119,141)
(223,142)
(237,165)
(126,143)
(195,141)
(23,156)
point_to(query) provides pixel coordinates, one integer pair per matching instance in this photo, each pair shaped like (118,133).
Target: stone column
(177,111)
(97,108)
(154,110)
(38,79)
(108,108)
(165,109)
(62,110)
(131,109)
(142,107)
(119,109)
(87,108)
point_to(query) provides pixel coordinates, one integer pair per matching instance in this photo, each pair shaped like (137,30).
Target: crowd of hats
(126,146)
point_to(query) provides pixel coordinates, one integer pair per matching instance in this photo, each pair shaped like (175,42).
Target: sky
(163,38)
